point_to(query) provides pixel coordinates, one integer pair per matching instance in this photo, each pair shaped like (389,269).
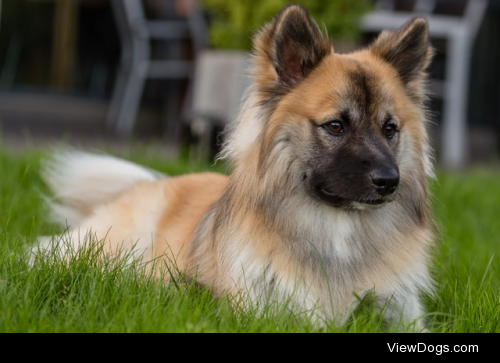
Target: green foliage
(89,294)
(233,22)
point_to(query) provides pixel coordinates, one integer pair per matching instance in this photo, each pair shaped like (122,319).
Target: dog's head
(348,128)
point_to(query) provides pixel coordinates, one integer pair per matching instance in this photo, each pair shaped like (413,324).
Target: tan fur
(189,198)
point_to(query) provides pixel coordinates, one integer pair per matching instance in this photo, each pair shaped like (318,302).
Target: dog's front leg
(402,308)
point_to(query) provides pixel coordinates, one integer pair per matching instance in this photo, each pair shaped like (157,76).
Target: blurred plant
(234,22)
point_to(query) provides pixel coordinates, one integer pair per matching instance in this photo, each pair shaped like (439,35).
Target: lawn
(91,295)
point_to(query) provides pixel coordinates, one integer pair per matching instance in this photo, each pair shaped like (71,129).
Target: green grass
(91,295)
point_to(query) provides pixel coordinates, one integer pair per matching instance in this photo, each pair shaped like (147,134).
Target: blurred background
(172,72)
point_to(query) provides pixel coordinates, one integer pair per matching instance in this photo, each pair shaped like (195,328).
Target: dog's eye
(390,130)
(335,127)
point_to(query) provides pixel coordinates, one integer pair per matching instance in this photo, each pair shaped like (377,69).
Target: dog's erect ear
(407,49)
(289,48)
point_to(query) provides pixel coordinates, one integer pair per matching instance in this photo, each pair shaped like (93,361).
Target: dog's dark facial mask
(354,161)
(357,106)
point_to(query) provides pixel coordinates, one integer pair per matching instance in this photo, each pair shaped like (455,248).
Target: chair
(460,32)
(136,33)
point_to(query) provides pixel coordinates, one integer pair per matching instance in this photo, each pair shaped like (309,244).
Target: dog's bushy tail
(80,181)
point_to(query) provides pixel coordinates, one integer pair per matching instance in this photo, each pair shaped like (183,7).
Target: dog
(327,200)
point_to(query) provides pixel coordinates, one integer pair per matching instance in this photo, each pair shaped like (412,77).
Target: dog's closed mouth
(373,201)
(332,198)
(336,200)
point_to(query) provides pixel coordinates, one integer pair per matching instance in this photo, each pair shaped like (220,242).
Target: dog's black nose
(385,180)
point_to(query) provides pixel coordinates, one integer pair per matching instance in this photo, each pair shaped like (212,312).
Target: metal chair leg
(455,144)
(129,100)
(116,100)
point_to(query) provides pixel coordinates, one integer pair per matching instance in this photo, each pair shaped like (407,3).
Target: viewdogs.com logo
(429,348)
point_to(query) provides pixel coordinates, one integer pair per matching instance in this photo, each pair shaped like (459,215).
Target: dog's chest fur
(319,261)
